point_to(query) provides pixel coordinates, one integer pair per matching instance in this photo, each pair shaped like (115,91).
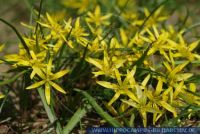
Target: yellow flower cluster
(141,61)
(41,55)
(146,69)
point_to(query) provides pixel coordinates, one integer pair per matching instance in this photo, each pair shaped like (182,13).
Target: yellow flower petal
(1,47)
(193,45)
(181,40)
(144,117)
(97,11)
(130,76)
(47,93)
(39,72)
(44,25)
(146,12)
(159,87)
(178,69)
(114,98)
(57,87)
(32,74)
(118,77)
(59,74)
(50,19)
(166,64)
(183,76)
(77,23)
(98,73)
(123,36)
(35,85)
(107,84)
(106,59)
(130,103)
(2,96)
(171,58)
(33,55)
(178,89)
(131,95)
(123,107)
(155,31)
(168,107)
(95,62)
(193,87)
(111,109)
(106,17)
(49,66)
(145,81)
(23,63)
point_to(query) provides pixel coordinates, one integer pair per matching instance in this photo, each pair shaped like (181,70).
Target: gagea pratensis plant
(143,64)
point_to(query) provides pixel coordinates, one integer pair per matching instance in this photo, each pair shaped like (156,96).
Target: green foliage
(125,57)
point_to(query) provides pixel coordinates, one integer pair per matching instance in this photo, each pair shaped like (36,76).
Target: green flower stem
(50,112)
(76,118)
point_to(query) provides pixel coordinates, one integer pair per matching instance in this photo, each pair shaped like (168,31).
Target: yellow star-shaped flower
(47,80)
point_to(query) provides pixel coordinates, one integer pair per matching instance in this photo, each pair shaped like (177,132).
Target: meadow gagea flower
(96,17)
(57,31)
(47,80)
(122,87)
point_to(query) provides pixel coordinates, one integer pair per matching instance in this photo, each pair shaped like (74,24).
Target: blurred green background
(17,11)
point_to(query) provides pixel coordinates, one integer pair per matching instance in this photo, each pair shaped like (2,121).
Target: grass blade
(191,27)
(99,110)
(37,25)
(4,100)
(50,113)
(194,79)
(12,79)
(76,118)
(140,61)
(18,34)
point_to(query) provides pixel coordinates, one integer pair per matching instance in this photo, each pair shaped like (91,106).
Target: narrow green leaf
(131,103)
(5,61)
(50,113)
(79,66)
(75,119)
(191,27)
(168,107)
(99,110)
(4,100)
(139,62)
(184,114)
(132,119)
(185,19)
(37,25)
(18,35)
(193,93)
(194,79)
(12,79)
